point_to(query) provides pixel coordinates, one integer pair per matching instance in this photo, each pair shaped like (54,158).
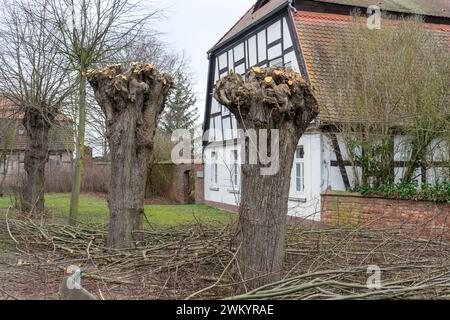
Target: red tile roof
(317,33)
(9,111)
(436,8)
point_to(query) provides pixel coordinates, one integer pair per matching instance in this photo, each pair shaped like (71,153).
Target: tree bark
(269,99)
(132,101)
(37,125)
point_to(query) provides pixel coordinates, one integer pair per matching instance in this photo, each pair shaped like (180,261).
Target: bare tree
(34,77)
(179,112)
(151,49)
(96,128)
(145,47)
(266,99)
(92,32)
(132,100)
(392,98)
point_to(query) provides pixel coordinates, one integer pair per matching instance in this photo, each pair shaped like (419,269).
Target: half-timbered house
(299,35)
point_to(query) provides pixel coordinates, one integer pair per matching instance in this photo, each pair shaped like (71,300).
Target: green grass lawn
(93,209)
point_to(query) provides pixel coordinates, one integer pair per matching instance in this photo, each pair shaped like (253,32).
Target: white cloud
(194,26)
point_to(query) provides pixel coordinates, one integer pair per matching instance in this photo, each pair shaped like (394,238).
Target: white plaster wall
(319,174)
(305,205)
(223,192)
(331,176)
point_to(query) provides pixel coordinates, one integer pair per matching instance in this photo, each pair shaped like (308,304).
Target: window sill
(214,189)
(298,199)
(234,191)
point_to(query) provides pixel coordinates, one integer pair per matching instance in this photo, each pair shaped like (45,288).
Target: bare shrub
(96,178)
(58,179)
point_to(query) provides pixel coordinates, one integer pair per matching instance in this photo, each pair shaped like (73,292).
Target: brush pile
(197,261)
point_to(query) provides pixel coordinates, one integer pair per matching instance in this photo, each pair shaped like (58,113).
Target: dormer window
(260,4)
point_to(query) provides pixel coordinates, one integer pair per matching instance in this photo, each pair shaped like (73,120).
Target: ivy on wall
(439,192)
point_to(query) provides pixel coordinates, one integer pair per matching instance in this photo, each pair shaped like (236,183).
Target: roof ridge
(308,16)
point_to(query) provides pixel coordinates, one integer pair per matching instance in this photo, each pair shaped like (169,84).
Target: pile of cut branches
(169,263)
(361,263)
(197,261)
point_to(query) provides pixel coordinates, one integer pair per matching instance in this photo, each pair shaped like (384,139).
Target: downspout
(301,59)
(291,5)
(206,119)
(296,39)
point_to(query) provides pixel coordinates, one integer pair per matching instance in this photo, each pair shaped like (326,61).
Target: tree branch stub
(281,95)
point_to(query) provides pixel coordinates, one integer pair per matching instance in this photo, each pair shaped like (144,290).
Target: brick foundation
(421,218)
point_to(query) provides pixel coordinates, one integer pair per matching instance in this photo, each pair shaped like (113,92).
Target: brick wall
(421,218)
(176,182)
(199,184)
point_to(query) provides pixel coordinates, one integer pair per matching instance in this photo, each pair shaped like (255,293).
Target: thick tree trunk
(132,101)
(267,99)
(37,125)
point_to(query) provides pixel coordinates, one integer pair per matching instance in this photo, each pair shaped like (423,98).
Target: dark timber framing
(242,38)
(284,11)
(340,160)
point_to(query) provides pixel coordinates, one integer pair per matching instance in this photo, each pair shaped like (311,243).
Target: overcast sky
(194,26)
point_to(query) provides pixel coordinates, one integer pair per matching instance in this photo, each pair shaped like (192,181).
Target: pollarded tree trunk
(37,125)
(132,100)
(266,99)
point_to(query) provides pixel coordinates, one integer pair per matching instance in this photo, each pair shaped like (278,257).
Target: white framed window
(274,32)
(235,169)
(215,106)
(214,169)
(299,166)
(240,69)
(276,62)
(287,41)
(218,128)
(262,46)
(223,62)
(239,52)
(290,61)
(234,127)
(227,132)
(230,60)
(225,111)
(212,136)
(252,52)
(275,52)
